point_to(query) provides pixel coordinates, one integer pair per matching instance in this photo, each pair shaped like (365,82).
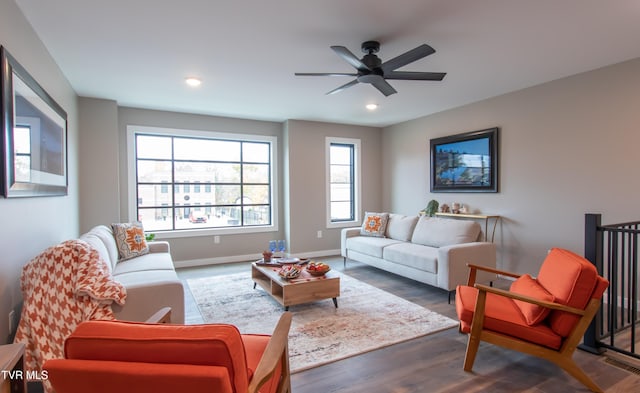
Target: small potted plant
(431,209)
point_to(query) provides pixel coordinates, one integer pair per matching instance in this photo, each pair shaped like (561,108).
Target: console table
(485,217)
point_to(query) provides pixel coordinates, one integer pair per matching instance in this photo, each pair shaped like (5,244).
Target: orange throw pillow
(528,286)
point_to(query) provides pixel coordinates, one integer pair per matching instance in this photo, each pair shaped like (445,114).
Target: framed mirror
(34,135)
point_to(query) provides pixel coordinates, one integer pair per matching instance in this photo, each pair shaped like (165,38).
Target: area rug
(366,319)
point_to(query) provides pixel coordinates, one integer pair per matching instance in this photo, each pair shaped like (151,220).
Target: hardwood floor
(433,363)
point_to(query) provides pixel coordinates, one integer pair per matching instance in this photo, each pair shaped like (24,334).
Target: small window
(343,181)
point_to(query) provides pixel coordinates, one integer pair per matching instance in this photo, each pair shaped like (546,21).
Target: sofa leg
(449,296)
(344,262)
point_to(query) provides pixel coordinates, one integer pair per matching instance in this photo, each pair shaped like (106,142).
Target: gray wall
(30,225)
(306,177)
(568,147)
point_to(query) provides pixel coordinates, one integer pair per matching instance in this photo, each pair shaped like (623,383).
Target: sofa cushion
(572,280)
(96,243)
(374,224)
(503,316)
(130,240)
(368,245)
(528,286)
(400,227)
(147,262)
(438,232)
(105,234)
(412,255)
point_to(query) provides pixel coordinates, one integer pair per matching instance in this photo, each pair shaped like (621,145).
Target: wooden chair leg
(476,331)
(572,368)
(472,349)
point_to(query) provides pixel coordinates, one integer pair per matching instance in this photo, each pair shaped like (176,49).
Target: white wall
(30,225)
(567,148)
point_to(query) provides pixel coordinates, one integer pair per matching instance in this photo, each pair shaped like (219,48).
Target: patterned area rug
(367,318)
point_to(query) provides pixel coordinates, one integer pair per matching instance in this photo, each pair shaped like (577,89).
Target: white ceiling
(138,52)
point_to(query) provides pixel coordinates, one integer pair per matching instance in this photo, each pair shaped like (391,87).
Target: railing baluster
(614,251)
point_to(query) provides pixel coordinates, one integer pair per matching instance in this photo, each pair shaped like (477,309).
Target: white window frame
(132,130)
(357,176)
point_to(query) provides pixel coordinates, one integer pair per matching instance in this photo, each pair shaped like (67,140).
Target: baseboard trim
(247,257)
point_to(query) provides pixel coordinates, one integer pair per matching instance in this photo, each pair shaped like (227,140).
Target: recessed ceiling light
(372,107)
(193,81)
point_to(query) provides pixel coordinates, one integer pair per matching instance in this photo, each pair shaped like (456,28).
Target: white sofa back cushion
(101,238)
(439,232)
(400,227)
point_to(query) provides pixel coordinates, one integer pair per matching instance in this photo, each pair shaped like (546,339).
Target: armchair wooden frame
(563,357)
(277,352)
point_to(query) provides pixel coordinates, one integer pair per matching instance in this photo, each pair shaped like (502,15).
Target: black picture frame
(466,162)
(34,135)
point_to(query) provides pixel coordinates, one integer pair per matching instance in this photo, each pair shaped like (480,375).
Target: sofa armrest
(453,260)
(158,246)
(344,235)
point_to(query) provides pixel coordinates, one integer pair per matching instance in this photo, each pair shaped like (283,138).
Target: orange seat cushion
(205,345)
(528,286)
(572,280)
(96,376)
(502,315)
(254,345)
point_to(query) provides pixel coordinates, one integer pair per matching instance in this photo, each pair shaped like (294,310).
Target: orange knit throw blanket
(65,285)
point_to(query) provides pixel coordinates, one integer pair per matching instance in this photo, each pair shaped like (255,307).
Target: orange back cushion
(572,280)
(82,376)
(206,345)
(528,286)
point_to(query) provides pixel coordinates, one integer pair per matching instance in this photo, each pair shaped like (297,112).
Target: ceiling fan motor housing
(370,47)
(374,72)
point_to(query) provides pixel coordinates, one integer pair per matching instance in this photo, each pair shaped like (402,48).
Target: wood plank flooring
(433,363)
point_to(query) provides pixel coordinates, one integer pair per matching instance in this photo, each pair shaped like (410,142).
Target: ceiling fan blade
(407,57)
(350,58)
(384,87)
(416,76)
(323,74)
(345,86)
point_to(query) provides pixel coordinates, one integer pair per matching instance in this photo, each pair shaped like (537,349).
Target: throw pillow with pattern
(374,224)
(130,240)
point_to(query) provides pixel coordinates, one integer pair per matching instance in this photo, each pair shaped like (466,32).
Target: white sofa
(431,250)
(151,280)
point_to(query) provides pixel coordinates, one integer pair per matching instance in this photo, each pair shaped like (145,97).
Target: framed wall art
(465,162)
(34,135)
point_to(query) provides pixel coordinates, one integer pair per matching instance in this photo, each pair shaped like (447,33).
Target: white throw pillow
(400,227)
(438,232)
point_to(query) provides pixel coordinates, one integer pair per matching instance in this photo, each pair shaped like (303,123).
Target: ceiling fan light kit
(371,70)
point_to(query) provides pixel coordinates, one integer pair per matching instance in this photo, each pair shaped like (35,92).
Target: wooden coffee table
(304,289)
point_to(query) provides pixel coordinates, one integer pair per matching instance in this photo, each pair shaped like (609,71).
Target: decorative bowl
(317,268)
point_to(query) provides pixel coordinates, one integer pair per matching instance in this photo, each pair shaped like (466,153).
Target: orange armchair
(544,317)
(115,356)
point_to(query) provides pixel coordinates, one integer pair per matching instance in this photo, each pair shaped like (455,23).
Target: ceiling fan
(373,71)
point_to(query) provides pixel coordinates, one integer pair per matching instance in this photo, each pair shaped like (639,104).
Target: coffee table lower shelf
(304,289)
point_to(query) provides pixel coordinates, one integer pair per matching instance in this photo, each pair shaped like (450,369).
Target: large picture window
(185,182)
